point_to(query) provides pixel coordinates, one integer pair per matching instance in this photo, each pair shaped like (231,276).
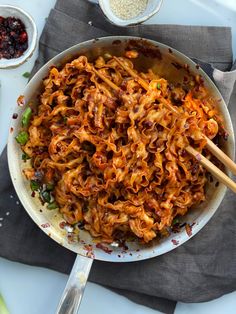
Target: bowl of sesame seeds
(129,12)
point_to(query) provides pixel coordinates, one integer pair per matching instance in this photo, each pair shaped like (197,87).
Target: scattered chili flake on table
(13,37)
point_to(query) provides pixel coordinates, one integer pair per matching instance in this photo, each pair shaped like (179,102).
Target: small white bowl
(153,6)
(8,10)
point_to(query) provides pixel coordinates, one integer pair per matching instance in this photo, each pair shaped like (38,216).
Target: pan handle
(73,292)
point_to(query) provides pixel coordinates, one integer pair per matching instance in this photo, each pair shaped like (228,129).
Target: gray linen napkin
(202,269)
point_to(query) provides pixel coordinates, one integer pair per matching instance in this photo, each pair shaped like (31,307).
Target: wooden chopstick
(220,155)
(106,80)
(209,145)
(216,172)
(142,82)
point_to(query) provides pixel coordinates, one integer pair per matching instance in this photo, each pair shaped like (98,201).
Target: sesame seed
(7,213)
(128,9)
(0,224)
(90,23)
(17,202)
(11,196)
(1,218)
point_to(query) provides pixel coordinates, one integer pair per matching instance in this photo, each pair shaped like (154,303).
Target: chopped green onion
(64,119)
(34,185)
(24,156)
(175,221)
(26,75)
(3,307)
(52,205)
(158,86)
(22,137)
(46,196)
(50,186)
(26,117)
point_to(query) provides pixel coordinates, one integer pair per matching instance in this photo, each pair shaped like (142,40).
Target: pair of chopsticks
(219,154)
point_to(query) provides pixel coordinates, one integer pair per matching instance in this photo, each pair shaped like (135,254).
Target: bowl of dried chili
(18,36)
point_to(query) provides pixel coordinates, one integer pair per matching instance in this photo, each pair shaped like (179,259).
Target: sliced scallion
(26,117)
(49,186)
(3,307)
(46,197)
(158,86)
(24,156)
(52,205)
(34,185)
(22,137)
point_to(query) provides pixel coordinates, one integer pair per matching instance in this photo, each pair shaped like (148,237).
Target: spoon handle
(73,292)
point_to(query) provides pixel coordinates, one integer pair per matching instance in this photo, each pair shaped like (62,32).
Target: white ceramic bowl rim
(22,189)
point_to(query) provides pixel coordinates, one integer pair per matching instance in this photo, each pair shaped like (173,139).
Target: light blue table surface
(34,290)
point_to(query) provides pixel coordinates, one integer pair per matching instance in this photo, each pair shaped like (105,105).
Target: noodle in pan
(113,160)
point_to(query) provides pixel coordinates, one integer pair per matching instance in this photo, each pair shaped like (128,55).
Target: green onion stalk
(3,307)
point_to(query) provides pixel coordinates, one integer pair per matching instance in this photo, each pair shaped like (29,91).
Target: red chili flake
(62,224)
(197,66)
(130,254)
(119,255)
(170,50)
(175,242)
(21,101)
(33,194)
(11,130)
(70,238)
(104,248)
(137,250)
(14,116)
(40,210)
(46,225)
(23,37)
(188,229)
